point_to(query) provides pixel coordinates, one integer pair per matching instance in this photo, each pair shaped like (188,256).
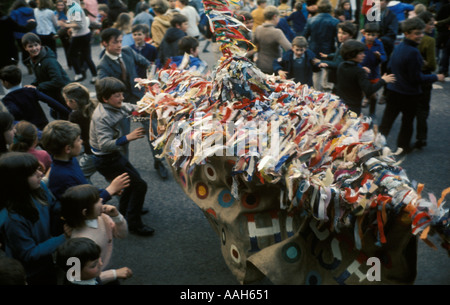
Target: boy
(50,76)
(298,63)
(140,33)
(169,44)
(375,56)
(258,14)
(88,254)
(189,45)
(193,18)
(62,140)
(346,31)
(404,95)
(109,138)
(353,82)
(23,103)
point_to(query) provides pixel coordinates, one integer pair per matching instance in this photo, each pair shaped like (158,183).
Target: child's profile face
(430,26)
(34,181)
(9,135)
(96,210)
(298,51)
(346,6)
(91,269)
(33,49)
(343,36)
(370,37)
(115,100)
(184,26)
(70,103)
(139,37)
(75,149)
(359,57)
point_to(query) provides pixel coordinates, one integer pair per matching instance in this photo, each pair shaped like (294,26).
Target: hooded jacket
(50,76)
(160,25)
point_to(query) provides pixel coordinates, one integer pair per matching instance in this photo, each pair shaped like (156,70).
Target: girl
(6,131)
(26,140)
(83,211)
(32,212)
(46,23)
(124,23)
(78,99)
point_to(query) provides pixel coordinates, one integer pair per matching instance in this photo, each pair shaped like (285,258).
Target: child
(192,16)
(247,19)
(88,253)
(62,140)
(375,56)
(339,14)
(284,8)
(404,95)
(83,211)
(140,33)
(258,14)
(23,102)
(26,140)
(6,131)
(169,44)
(108,139)
(189,45)
(298,19)
(298,63)
(32,211)
(346,31)
(347,8)
(50,76)
(353,81)
(78,99)
(123,24)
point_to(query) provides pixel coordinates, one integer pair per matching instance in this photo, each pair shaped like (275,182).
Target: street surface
(186,251)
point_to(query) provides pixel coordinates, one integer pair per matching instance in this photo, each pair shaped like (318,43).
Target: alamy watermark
(374,12)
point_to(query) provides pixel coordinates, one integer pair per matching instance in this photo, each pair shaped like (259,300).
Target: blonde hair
(270,12)
(80,94)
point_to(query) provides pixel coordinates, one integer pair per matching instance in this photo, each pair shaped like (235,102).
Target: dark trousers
(80,53)
(133,197)
(397,103)
(423,111)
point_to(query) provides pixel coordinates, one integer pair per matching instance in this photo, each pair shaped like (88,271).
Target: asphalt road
(186,251)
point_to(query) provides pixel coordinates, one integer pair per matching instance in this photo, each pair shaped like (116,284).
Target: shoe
(162,171)
(79,78)
(93,80)
(144,211)
(420,143)
(142,230)
(365,103)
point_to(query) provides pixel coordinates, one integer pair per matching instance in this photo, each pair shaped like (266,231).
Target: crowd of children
(49,205)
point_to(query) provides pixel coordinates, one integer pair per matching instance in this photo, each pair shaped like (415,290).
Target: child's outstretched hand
(118,184)
(124,273)
(282,74)
(388,78)
(138,133)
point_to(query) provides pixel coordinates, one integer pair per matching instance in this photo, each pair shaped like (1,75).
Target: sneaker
(93,80)
(78,78)
(142,230)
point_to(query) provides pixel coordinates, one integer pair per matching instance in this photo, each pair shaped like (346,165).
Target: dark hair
(30,38)
(412,24)
(347,27)
(59,133)
(6,123)
(17,4)
(426,16)
(351,48)
(12,74)
(186,44)
(140,27)
(324,6)
(184,2)
(109,33)
(83,248)
(178,19)
(108,86)
(339,12)
(15,169)
(372,27)
(11,272)
(243,16)
(74,200)
(159,6)
(25,136)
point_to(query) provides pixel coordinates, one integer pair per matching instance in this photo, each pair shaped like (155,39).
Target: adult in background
(268,39)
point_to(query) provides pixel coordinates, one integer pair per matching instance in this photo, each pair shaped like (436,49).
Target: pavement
(186,251)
